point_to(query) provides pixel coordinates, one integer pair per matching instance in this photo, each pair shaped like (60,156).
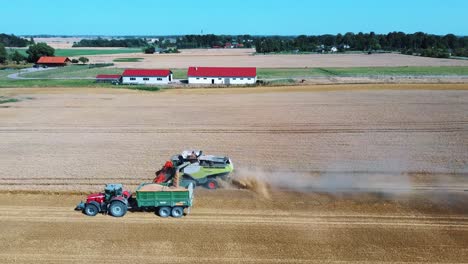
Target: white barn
(222,75)
(146,76)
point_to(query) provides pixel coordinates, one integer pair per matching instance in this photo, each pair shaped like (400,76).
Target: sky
(255,17)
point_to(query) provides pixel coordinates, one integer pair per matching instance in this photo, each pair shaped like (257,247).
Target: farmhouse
(146,76)
(222,75)
(108,78)
(53,61)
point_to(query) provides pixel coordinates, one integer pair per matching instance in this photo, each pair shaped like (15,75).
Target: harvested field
(345,173)
(245,58)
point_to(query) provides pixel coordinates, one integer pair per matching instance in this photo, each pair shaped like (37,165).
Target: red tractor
(113,200)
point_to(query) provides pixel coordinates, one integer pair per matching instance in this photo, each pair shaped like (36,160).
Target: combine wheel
(177,212)
(164,211)
(211,184)
(91,210)
(117,209)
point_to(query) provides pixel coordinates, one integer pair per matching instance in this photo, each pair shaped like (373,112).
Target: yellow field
(326,173)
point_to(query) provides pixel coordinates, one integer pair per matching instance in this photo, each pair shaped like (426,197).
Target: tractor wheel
(91,210)
(211,184)
(117,209)
(164,211)
(177,212)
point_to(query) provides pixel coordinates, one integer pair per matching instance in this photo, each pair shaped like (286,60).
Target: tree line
(100,42)
(418,43)
(210,40)
(14,41)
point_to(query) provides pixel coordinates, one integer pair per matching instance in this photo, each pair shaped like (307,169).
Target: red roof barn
(146,73)
(111,78)
(222,72)
(146,76)
(53,61)
(222,75)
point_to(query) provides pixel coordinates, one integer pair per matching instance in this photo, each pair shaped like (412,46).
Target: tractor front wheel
(91,210)
(117,209)
(177,212)
(164,211)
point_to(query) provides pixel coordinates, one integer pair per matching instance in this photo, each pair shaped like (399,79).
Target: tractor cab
(112,190)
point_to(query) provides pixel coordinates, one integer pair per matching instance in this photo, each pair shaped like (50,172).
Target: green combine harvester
(195,168)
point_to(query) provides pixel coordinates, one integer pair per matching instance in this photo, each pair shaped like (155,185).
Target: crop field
(330,173)
(75,52)
(128,60)
(246,58)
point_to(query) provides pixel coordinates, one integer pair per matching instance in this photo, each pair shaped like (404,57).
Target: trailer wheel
(211,184)
(177,212)
(117,209)
(91,210)
(164,211)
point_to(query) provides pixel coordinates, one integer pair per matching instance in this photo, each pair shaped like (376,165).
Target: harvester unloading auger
(196,168)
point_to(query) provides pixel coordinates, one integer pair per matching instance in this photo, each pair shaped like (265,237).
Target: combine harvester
(195,168)
(163,199)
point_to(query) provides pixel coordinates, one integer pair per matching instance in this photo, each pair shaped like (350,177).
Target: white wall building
(222,75)
(146,76)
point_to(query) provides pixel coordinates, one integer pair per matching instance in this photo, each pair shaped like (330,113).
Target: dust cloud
(264,182)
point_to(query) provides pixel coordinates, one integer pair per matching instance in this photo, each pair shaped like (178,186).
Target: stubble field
(354,173)
(245,58)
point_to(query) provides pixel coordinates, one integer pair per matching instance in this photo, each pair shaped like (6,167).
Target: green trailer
(165,200)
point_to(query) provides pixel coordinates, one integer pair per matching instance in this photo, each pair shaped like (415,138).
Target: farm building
(53,61)
(222,75)
(108,78)
(146,76)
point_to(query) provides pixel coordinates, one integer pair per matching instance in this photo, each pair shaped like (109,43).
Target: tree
(17,57)
(83,60)
(149,50)
(38,50)
(74,61)
(3,53)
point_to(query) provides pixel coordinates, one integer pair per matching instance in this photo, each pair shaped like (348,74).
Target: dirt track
(385,169)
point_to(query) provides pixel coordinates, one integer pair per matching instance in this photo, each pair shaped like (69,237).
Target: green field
(84,52)
(82,71)
(360,71)
(128,59)
(72,71)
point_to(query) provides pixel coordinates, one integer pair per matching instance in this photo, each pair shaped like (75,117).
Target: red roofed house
(53,61)
(108,78)
(146,76)
(222,75)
